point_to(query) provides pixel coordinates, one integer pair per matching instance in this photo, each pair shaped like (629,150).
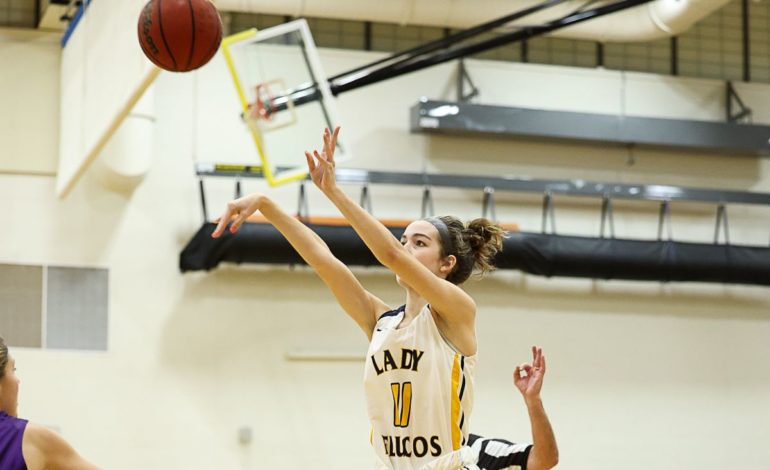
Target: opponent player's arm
(449,301)
(45,449)
(361,305)
(528,378)
(544,454)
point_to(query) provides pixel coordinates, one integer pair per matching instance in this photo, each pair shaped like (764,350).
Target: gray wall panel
(77,312)
(21,289)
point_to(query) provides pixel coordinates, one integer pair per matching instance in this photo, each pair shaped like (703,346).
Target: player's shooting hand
(237,211)
(321,165)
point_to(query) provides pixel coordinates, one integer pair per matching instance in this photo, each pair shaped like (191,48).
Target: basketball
(180,35)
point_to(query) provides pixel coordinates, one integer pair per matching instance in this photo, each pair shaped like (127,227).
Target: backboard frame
(272,175)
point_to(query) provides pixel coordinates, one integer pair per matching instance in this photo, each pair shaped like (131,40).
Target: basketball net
(261,114)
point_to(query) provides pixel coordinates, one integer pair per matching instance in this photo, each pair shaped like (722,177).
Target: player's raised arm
(456,249)
(361,305)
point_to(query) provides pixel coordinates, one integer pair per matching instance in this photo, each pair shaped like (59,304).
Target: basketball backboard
(267,67)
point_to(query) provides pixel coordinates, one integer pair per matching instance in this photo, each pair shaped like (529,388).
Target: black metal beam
(450,39)
(358,80)
(514,184)
(425,56)
(310,92)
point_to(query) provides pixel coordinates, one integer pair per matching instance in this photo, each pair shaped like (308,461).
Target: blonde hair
(474,245)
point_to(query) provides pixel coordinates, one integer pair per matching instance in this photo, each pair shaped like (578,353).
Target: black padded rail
(534,253)
(262,243)
(638,260)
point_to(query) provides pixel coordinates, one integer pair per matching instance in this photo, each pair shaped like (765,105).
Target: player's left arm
(544,454)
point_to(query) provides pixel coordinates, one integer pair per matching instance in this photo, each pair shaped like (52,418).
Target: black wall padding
(262,243)
(545,255)
(639,260)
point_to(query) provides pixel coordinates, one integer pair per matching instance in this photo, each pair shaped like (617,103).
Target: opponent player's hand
(321,165)
(237,211)
(530,384)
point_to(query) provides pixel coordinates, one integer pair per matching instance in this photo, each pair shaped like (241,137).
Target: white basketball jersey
(419,391)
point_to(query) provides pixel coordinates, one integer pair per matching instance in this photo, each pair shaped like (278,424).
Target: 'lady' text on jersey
(410,359)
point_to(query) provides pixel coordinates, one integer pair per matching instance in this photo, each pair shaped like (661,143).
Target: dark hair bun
(486,240)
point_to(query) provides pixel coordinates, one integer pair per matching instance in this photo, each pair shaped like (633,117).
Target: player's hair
(474,245)
(3,357)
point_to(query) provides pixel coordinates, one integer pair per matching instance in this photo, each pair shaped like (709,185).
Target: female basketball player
(419,368)
(25,445)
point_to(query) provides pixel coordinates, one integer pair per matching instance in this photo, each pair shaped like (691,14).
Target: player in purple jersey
(25,445)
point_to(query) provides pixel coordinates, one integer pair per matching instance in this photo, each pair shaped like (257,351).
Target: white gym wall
(640,374)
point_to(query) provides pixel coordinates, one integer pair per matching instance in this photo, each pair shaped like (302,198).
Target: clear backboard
(284,96)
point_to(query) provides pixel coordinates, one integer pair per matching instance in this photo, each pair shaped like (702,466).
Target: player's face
(9,389)
(422,240)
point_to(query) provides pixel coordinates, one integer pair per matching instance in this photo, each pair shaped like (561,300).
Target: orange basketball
(180,35)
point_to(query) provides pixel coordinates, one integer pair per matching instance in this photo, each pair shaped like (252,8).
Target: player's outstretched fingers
(310,162)
(328,150)
(238,222)
(222,222)
(539,361)
(334,138)
(321,159)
